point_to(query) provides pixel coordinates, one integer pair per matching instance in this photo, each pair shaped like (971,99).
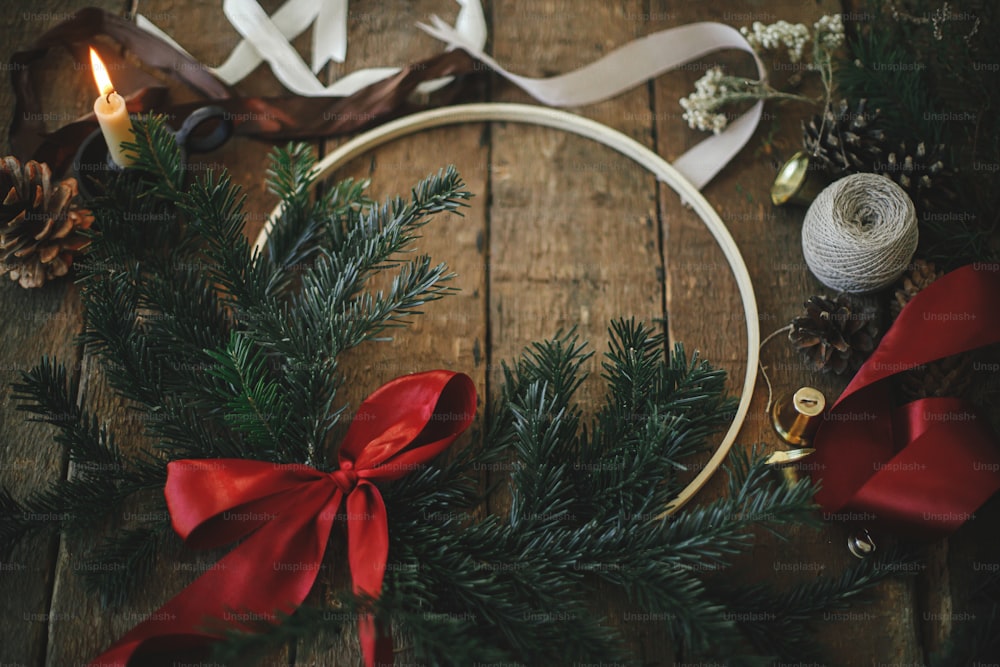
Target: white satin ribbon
(628,66)
(266,39)
(331,30)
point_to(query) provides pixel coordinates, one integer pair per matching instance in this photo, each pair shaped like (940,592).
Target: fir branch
(71,505)
(253,643)
(46,391)
(290,176)
(880,69)
(182,316)
(254,404)
(330,300)
(215,209)
(119,566)
(353,321)
(304,224)
(111,331)
(372,238)
(777,623)
(13,525)
(157,152)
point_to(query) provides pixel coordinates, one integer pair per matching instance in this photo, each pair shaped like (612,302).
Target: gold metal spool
(797,419)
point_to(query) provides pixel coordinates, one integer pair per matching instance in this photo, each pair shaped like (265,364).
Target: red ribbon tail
(368,553)
(376,642)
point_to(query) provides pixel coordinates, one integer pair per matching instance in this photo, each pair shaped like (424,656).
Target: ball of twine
(860,233)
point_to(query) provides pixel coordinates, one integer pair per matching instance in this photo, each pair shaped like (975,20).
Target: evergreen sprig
(224,350)
(930,71)
(189,321)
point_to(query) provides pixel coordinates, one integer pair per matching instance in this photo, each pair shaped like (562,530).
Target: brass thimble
(797,418)
(796,182)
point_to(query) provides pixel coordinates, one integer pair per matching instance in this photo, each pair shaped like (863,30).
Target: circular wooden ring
(584,127)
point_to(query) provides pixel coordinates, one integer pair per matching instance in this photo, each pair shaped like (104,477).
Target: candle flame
(100,74)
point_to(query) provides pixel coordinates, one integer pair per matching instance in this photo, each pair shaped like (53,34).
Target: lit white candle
(111,114)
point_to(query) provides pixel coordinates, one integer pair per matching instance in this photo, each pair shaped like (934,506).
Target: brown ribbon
(268,118)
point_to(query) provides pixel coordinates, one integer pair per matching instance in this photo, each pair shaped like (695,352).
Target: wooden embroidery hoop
(561,120)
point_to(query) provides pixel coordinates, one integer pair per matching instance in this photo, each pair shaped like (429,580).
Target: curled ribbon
(922,469)
(266,38)
(372,96)
(284,515)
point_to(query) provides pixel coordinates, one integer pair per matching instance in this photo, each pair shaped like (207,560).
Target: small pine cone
(920,275)
(951,376)
(40,223)
(844,140)
(835,335)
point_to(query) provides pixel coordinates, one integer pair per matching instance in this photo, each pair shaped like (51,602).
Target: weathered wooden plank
(40,322)
(85,629)
(37,322)
(548,251)
(573,240)
(705,310)
(451,333)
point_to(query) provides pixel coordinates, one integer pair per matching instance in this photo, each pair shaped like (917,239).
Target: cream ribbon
(628,66)
(266,38)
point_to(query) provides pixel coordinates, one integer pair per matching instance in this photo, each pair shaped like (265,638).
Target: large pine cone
(951,376)
(40,224)
(835,335)
(847,141)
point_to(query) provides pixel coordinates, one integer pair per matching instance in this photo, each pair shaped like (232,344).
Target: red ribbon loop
(286,513)
(924,468)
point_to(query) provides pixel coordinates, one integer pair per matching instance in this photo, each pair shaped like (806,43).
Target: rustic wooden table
(562,232)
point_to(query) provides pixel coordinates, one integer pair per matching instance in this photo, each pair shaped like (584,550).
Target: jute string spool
(859,234)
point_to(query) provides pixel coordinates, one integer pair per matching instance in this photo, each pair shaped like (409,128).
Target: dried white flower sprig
(829,32)
(716,90)
(770,37)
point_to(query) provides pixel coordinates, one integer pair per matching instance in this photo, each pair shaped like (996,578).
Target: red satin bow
(286,513)
(924,468)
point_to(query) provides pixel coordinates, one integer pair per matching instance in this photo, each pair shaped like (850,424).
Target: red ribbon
(286,513)
(924,468)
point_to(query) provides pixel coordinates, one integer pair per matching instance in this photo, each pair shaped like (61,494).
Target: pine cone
(920,172)
(951,376)
(844,141)
(40,224)
(835,335)
(920,275)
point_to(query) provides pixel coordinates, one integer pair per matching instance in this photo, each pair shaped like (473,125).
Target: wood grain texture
(562,233)
(36,323)
(85,629)
(704,307)
(573,239)
(39,322)
(450,333)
